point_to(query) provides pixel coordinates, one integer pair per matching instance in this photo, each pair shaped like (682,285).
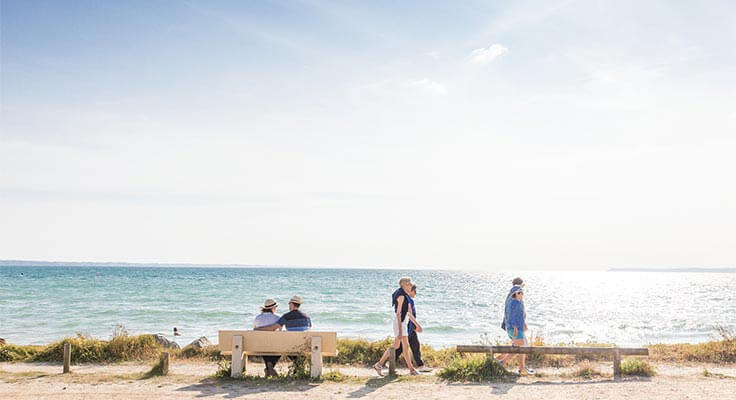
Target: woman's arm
(399,303)
(414,320)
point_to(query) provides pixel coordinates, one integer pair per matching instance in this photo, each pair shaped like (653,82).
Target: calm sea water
(42,304)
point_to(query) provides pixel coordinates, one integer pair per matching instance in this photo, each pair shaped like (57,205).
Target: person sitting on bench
(268,317)
(294,320)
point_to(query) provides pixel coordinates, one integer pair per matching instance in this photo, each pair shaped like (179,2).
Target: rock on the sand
(200,343)
(2,341)
(163,341)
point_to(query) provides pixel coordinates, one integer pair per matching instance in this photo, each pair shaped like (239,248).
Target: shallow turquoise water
(42,304)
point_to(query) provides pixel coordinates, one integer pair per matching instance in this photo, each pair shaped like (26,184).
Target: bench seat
(241,343)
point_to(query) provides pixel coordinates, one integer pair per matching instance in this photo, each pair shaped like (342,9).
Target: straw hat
(269,304)
(296,300)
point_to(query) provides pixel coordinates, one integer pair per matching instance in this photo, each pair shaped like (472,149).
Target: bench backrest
(277,342)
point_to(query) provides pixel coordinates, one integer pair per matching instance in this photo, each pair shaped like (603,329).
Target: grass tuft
(86,350)
(586,370)
(472,369)
(638,367)
(334,376)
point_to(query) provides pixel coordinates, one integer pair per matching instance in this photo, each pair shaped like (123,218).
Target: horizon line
(41,263)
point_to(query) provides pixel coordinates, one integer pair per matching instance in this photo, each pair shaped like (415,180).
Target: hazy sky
(495,135)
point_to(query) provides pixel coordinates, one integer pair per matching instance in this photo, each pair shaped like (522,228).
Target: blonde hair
(404,281)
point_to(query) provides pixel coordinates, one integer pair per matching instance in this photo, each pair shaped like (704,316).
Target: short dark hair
(517,281)
(413,288)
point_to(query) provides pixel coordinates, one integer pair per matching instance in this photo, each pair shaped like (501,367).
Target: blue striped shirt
(295,320)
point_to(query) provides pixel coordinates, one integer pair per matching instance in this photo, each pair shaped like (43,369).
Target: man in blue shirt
(413,338)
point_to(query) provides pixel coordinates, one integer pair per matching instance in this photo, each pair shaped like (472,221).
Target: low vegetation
(475,368)
(586,370)
(365,353)
(637,367)
(124,347)
(722,351)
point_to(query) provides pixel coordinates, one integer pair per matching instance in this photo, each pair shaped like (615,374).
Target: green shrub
(224,369)
(300,367)
(472,369)
(637,366)
(11,352)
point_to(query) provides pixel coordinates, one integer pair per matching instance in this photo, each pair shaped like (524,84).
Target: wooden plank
(67,357)
(278,342)
(551,350)
(236,366)
(165,363)
(316,368)
(617,364)
(392,360)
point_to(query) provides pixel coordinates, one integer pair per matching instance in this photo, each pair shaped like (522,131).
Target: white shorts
(401,328)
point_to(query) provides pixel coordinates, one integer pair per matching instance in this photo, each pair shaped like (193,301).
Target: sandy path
(190,380)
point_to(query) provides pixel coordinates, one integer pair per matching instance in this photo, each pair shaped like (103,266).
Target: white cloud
(429,86)
(486,55)
(433,54)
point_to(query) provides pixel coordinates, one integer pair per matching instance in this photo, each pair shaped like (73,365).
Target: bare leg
(386,353)
(522,357)
(407,359)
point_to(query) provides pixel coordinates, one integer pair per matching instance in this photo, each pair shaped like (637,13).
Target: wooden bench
(242,343)
(615,352)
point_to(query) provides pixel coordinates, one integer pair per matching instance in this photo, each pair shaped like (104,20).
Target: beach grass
(359,352)
(475,368)
(637,367)
(586,370)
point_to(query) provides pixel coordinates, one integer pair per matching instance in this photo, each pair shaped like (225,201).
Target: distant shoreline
(708,270)
(114,264)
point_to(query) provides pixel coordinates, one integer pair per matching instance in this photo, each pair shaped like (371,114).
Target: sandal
(378,369)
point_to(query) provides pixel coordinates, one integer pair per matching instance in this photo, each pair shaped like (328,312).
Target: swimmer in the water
(176,332)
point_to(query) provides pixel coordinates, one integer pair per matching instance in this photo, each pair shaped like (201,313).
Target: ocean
(39,305)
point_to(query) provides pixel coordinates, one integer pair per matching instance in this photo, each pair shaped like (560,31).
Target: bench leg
(316,369)
(616,364)
(237,361)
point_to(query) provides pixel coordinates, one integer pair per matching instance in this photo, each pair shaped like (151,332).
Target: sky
(415,134)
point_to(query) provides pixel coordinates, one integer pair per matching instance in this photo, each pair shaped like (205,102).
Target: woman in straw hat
(268,317)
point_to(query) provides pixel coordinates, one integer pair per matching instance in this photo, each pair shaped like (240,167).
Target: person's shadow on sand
(371,386)
(232,388)
(502,388)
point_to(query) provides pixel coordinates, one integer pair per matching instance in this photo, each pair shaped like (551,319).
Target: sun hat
(269,304)
(296,300)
